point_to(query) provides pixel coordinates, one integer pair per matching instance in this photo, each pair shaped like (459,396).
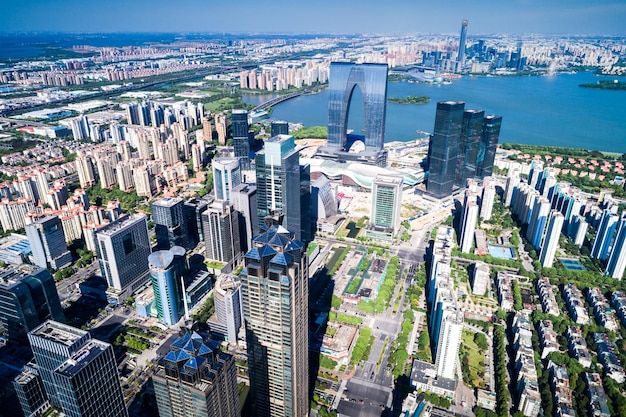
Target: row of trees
(345,318)
(399,354)
(362,346)
(386,289)
(502,392)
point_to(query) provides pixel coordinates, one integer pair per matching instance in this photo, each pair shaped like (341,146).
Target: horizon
(603,18)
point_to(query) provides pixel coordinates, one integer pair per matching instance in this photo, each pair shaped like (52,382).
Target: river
(545,110)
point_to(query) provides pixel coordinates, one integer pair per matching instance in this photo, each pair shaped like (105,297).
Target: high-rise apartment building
(221,232)
(241,140)
(274,285)
(122,248)
(86,175)
(551,240)
(279,183)
(468,223)
(488,198)
(617,261)
(79,373)
(166,270)
(196,378)
(226,176)
(539,218)
(244,200)
(228,307)
(386,204)
(450,337)
(47,242)
(28,297)
(220,128)
(604,236)
(170,226)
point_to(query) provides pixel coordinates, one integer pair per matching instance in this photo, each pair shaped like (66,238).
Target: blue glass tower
(166,269)
(372,80)
(602,242)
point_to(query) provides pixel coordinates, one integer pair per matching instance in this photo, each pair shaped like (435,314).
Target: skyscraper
(244,201)
(461,56)
(228,307)
(241,140)
(538,220)
(226,176)
(604,236)
(86,175)
(279,128)
(471,136)
(488,198)
(278,182)
(617,261)
(122,248)
(386,204)
(450,337)
(221,232)
(170,226)
(488,146)
(193,209)
(372,81)
(196,378)
(47,242)
(79,373)
(468,226)
(28,297)
(274,285)
(166,269)
(551,240)
(444,148)
(31,392)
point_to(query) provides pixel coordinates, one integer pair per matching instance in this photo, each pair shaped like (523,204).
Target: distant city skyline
(604,17)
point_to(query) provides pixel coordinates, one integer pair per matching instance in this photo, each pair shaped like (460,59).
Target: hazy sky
(607,17)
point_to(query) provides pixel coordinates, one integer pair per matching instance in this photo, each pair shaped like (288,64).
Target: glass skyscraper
(488,146)
(166,269)
(372,81)
(226,176)
(47,242)
(170,225)
(28,297)
(471,136)
(241,140)
(445,148)
(278,181)
(275,293)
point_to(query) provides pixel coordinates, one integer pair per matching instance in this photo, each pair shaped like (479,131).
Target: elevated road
(280,99)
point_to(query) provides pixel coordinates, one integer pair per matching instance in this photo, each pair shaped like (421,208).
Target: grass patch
(472,361)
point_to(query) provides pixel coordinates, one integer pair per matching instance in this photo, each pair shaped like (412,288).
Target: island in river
(410,100)
(606,85)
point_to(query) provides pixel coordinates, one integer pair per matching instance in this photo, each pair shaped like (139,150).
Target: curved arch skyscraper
(372,80)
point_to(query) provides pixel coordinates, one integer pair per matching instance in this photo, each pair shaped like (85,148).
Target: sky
(601,17)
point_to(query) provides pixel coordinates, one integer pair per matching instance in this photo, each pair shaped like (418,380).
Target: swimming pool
(501,252)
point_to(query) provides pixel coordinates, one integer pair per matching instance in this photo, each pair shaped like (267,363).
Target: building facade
(167,267)
(47,242)
(169,223)
(221,232)
(226,176)
(274,285)
(241,141)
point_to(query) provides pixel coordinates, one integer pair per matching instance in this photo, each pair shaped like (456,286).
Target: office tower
(193,209)
(371,79)
(279,128)
(386,203)
(123,247)
(461,56)
(278,182)
(52,344)
(228,307)
(323,204)
(444,148)
(89,384)
(488,146)
(195,378)
(551,240)
(166,269)
(274,285)
(28,297)
(221,232)
(617,261)
(487,200)
(469,145)
(305,204)
(170,226)
(604,236)
(538,220)
(226,176)
(31,392)
(47,242)
(132,113)
(86,175)
(244,200)
(220,128)
(449,341)
(241,141)
(469,219)
(79,373)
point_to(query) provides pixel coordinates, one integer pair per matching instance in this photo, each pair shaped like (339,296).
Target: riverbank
(409,100)
(606,85)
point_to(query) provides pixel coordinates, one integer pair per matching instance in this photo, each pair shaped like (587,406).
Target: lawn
(475,359)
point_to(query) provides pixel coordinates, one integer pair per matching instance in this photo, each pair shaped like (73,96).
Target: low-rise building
(546,295)
(598,404)
(562,394)
(548,337)
(576,304)
(608,357)
(578,346)
(602,310)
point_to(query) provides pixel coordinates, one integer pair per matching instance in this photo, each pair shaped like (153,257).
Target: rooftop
(59,332)
(82,358)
